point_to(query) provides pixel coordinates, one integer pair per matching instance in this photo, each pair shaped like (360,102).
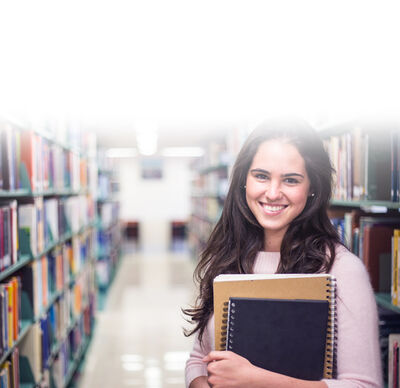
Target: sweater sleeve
(358,350)
(195,367)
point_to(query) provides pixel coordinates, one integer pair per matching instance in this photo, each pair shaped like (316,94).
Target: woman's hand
(228,369)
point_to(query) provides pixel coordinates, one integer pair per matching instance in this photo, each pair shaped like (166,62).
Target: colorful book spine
(395,267)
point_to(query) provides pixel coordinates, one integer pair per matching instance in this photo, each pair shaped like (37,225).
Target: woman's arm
(227,369)
(196,368)
(358,350)
(199,382)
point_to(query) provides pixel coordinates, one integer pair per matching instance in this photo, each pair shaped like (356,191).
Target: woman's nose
(273,191)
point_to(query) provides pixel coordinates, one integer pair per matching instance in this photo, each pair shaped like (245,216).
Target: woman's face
(277,188)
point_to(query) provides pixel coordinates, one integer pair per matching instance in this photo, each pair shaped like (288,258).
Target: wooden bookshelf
(368,205)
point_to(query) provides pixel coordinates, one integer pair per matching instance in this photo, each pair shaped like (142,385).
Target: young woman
(275,221)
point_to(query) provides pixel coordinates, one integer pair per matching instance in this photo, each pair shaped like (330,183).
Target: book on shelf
(375,241)
(51,212)
(377,251)
(5,237)
(395,267)
(282,335)
(358,163)
(8,233)
(10,154)
(394,150)
(13,289)
(347,224)
(30,164)
(14,371)
(46,340)
(43,263)
(14,230)
(9,371)
(30,350)
(366,163)
(31,290)
(10,313)
(31,226)
(393,360)
(55,270)
(3,161)
(379,166)
(3,342)
(314,287)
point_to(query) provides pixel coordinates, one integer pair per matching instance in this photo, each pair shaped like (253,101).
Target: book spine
(331,343)
(394,192)
(395,266)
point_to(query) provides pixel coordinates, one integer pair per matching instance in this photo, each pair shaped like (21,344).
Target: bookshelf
(109,227)
(48,254)
(209,188)
(365,208)
(210,181)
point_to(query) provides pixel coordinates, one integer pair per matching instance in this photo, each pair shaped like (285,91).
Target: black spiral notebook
(281,335)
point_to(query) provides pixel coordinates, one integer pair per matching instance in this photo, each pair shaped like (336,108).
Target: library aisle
(138,340)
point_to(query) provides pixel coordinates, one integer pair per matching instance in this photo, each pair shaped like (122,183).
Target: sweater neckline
(266,262)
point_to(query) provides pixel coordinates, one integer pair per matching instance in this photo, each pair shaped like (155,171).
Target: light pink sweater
(358,351)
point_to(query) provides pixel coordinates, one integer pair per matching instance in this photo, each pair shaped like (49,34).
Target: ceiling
(186,133)
(169,134)
(197,69)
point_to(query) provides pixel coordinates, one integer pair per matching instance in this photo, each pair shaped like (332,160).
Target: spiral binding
(231,323)
(331,338)
(224,327)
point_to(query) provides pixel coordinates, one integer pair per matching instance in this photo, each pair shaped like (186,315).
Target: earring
(312,194)
(244,186)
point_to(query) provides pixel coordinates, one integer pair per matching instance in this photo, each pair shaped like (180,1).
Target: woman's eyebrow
(292,174)
(283,175)
(260,170)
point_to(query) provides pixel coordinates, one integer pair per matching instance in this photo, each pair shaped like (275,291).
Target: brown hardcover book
(377,248)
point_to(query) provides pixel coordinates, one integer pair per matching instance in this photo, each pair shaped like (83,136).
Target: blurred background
(167,91)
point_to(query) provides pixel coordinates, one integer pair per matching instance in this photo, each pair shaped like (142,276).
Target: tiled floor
(138,339)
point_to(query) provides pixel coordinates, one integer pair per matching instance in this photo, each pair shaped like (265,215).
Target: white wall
(154,202)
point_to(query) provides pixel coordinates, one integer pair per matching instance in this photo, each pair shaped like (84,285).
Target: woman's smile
(273,209)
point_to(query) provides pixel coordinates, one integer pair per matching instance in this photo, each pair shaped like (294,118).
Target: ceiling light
(125,152)
(146,136)
(183,152)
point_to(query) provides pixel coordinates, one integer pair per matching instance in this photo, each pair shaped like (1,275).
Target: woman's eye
(291,181)
(261,177)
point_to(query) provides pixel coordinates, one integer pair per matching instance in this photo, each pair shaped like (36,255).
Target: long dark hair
(309,243)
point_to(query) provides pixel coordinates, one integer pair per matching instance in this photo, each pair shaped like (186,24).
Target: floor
(138,340)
